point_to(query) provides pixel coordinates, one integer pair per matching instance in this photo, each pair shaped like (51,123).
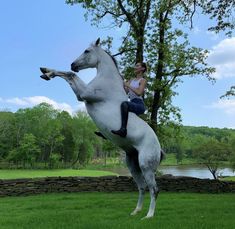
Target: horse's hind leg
(133,165)
(153,190)
(148,170)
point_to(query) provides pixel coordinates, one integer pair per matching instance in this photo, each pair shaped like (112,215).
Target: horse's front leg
(78,86)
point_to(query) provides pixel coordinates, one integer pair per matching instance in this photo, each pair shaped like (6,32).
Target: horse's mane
(112,57)
(115,62)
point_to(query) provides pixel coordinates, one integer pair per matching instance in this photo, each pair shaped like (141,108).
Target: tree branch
(230,92)
(123,51)
(128,15)
(190,13)
(109,12)
(147,11)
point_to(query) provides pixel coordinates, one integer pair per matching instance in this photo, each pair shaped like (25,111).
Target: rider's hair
(144,65)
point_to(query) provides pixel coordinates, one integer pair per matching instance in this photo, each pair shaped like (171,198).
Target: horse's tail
(163,155)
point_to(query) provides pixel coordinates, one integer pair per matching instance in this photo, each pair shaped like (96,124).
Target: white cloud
(17,101)
(222,57)
(226,105)
(196,30)
(35,100)
(213,36)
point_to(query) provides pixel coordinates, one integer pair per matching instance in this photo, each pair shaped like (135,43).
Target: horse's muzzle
(74,67)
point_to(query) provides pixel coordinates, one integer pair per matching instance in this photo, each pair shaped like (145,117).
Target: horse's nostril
(74,67)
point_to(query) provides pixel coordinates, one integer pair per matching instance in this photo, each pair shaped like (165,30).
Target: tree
(212,154)
(27,152)
(151,35)
(42,122)
(14,156)
(7,133)
(53,139)
(84,137)
(53,160)
(108,149)
(67,149)
(28,149)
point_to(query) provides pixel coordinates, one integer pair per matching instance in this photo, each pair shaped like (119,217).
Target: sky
(53,34)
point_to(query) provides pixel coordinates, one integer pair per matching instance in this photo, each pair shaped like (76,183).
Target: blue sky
(53,34)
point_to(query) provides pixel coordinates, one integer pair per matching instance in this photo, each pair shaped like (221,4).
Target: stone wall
(22,187)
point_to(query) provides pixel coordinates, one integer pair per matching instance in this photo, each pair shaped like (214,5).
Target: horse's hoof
(136,211)
(45,77)
(133,213)
(147,217)
(43,70)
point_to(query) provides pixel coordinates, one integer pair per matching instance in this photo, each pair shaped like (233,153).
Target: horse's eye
(86,51)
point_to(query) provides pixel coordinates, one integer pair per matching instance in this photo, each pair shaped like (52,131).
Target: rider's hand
(126,84)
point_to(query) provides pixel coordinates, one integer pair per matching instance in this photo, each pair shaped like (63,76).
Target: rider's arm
(125,85)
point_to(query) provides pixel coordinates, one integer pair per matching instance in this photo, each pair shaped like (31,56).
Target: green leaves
(27,151)
(223,13)
(229,93)
(42,134)
(212,153)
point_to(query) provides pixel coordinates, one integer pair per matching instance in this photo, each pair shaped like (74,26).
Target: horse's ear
(97,42)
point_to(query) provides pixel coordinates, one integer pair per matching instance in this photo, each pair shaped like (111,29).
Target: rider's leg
(136,106)
(124,117)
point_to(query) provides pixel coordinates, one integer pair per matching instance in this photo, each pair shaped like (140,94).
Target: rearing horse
(103,97)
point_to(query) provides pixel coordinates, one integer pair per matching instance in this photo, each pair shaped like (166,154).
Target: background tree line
(44,137)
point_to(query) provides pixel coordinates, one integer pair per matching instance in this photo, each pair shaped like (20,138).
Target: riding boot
(124,118)
(100,135)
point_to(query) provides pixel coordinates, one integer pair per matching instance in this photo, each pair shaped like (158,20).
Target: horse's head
(89,59)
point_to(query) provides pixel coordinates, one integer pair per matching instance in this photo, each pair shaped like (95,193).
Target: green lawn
(228,178)
(111,210)
(13,174)
(170,159)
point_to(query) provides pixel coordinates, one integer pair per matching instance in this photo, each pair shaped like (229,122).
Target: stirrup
(122,132)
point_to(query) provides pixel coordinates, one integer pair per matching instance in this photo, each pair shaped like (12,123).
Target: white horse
(103,97)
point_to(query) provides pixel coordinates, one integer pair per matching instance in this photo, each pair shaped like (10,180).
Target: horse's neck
(110,79)
(107,70)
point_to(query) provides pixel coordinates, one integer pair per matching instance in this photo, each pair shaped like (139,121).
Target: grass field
(111,210)
(13,174)
(170,159)
(228,178)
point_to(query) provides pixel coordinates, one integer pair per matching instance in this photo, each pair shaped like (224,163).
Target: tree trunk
(140,45)
(159,74)
(105,158)
(214,174)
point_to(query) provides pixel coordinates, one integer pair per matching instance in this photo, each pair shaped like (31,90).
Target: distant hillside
(217,133)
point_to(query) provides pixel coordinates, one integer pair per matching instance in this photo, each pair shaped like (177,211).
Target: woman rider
(135,89)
